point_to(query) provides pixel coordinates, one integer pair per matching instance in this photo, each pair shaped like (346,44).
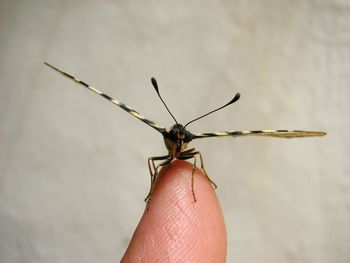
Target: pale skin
(175,228)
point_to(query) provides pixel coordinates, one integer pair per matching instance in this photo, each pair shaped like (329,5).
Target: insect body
(177,137)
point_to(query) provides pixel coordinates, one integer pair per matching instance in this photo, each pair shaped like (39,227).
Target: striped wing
(271,133)
(114,101)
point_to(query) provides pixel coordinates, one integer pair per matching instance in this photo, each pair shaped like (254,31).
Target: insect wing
(270,133)
(114,101)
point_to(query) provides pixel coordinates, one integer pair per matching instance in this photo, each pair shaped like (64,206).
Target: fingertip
(177,228)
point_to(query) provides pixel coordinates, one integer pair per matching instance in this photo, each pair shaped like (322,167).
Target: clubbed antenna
(235,98)
(155,85)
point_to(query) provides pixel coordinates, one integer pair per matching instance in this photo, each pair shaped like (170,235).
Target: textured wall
(73,170)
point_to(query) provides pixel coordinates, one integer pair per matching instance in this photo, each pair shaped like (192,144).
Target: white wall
(73,170)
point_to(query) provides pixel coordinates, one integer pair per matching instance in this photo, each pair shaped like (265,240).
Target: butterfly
(177,137)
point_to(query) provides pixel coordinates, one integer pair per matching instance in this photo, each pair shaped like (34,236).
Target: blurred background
(73,167)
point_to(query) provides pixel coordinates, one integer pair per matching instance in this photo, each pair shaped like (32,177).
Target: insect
(177,137)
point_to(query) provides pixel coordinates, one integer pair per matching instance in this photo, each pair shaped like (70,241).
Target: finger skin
(177,229)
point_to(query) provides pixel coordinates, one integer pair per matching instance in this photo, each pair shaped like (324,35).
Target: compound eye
(173,136)
(188,137)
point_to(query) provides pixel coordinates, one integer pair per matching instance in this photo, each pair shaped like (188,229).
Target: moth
(177,137)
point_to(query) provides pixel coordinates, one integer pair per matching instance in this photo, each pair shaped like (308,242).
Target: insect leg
(191,153)
(188,151)
(185,155)
(154,179)
(153,173)
(192,178)
(202,167)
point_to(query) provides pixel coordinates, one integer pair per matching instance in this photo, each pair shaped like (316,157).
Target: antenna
(235,98)
(155,85)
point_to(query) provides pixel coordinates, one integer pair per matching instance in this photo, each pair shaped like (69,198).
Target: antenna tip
(235,98)
(154,83)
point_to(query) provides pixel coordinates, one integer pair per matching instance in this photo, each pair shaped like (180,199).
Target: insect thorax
(176,139)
